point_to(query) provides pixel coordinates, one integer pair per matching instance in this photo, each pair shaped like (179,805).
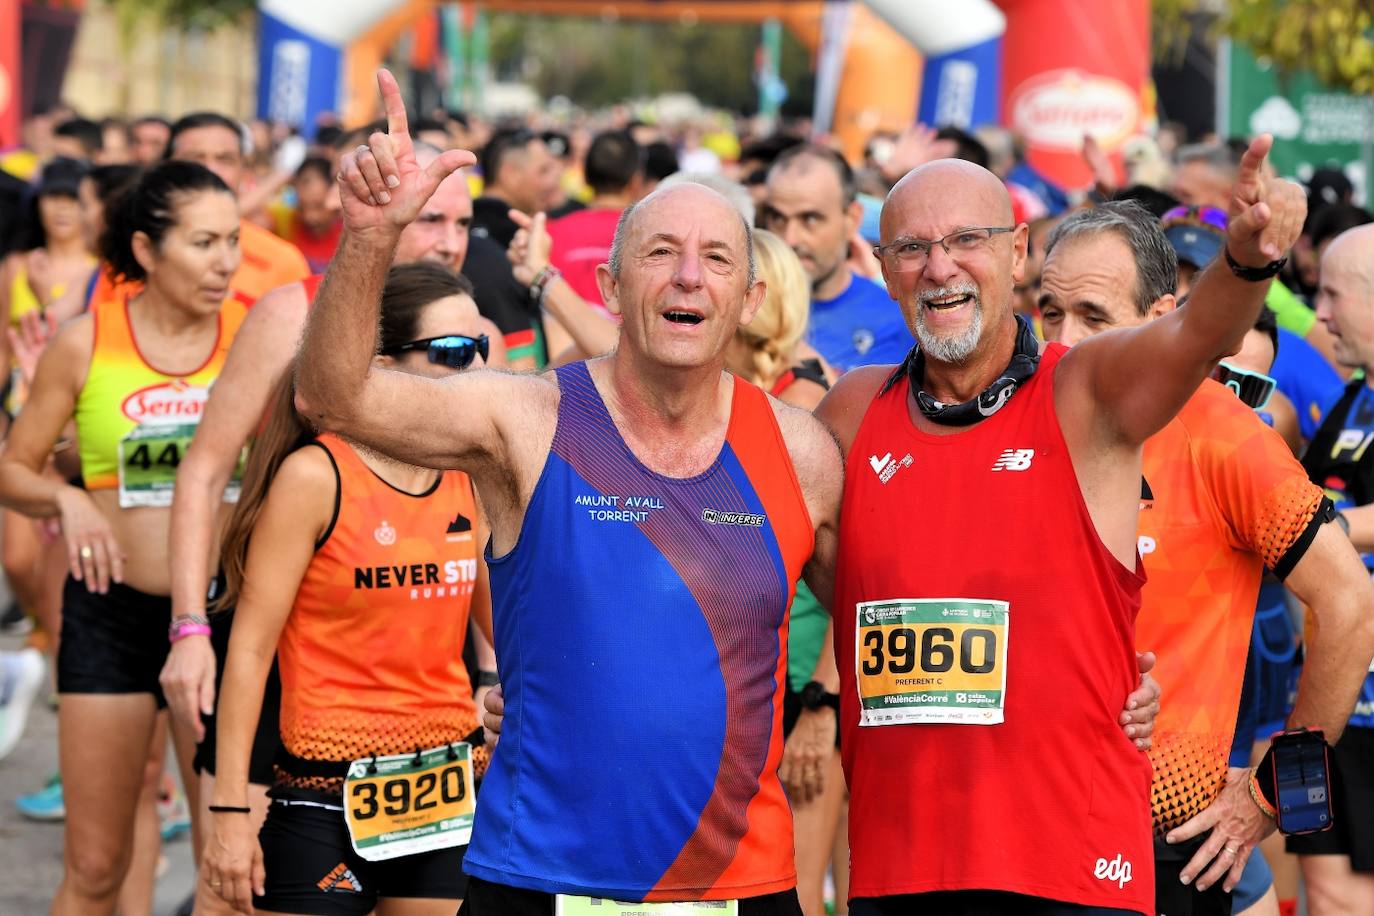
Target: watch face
(812,695)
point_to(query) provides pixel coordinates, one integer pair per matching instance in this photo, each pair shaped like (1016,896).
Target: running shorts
(1352,800)
(1174,898)
(112,643)
(487,899)
(312,868)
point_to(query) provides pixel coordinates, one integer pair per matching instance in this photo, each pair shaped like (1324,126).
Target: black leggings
(487,899)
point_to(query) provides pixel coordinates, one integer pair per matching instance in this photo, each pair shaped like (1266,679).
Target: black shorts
(974,903)
(312,868)
(1178,899)
(1352,801)
(112,643)
(487,899)
(267,739)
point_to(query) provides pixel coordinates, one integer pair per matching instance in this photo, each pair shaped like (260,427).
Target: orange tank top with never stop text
(371,654)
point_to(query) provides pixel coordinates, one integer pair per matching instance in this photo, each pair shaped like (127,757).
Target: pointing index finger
(1253,160)
(396,123)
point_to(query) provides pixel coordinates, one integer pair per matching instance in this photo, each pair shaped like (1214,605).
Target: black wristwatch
(814,696)
(487,678)
(1254,274)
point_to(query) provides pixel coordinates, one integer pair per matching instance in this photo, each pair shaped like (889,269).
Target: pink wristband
(188,629)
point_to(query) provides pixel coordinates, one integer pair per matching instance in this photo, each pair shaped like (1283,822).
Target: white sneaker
(21,678)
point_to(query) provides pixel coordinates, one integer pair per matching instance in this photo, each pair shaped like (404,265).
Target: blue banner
(963,88)
(298,76)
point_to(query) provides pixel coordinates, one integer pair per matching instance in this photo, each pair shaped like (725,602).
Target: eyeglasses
(912,254)
(453,350)
(1209,216)
(1253,388)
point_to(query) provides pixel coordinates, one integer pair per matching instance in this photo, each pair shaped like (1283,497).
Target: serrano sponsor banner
(299,74)
(9,73)
(1070,68)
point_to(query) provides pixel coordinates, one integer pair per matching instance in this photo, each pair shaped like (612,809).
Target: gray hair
(722,186)
(1218,156)
(1156,263)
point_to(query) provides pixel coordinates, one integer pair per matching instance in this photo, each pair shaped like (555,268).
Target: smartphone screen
(1300,774)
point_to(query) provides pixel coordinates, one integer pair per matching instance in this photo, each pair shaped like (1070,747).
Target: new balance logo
(1014,459)
(340,880)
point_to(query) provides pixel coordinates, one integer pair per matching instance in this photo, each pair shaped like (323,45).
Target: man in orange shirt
(1222,498)
(216,142)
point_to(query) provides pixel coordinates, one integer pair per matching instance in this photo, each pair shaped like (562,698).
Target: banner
(298,75)
(9,73)
(1313,124)
(1074,67)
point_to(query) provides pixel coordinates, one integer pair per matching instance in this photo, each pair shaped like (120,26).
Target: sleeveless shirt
(1053,801)
(640,625)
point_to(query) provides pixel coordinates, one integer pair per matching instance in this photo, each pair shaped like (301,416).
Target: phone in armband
(1302,770)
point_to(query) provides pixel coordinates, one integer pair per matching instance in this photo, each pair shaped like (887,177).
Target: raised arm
(458,422)
(1139,378)
(261,352)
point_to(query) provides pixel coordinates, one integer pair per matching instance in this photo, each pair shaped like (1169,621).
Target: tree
(1332,38)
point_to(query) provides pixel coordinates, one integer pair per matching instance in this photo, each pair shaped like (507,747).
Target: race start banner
(1313,124)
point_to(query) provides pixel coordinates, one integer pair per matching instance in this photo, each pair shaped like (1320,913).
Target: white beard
(953,349)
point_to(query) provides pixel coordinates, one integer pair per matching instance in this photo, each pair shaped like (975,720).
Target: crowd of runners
(515,519)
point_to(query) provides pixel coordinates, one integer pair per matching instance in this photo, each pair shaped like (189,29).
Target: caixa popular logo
(1056,109)
(168,402)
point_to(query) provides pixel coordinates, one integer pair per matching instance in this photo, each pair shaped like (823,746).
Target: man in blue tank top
(649,517)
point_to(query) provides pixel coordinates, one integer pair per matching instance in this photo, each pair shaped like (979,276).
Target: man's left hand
(1266,213)
(806,753)
(1237,825)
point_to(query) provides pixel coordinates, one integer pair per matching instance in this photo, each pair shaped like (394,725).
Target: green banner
(1313,124)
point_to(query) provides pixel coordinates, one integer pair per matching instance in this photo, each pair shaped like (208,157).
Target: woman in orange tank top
(132,376)
(359,577)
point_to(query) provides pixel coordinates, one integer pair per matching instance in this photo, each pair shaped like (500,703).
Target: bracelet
(187,625)
(1258,798)
(488,678)
(543,280)
(229,809)
(1253,274)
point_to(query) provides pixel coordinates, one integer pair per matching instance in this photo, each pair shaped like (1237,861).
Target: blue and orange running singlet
(640,625)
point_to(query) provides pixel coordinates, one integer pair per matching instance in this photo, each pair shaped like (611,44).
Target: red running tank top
(1053,801)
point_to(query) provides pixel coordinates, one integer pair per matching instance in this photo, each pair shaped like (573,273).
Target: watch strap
(1254,274)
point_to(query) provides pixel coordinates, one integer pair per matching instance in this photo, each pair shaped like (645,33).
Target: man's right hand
(188,681)
(381,185)
(493,714)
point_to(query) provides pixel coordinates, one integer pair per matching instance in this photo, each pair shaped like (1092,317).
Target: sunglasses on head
(1211,216)
(453,350)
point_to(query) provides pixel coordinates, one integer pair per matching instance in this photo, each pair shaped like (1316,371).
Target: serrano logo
(746,519)
(1056,109)
(168,402)
(385,534)
(1116,870)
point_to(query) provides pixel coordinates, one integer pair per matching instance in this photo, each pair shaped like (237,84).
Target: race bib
(598,906)
(401,805)
(922,660)
(148,460)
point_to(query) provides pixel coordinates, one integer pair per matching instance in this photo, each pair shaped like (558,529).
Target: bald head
(697,196)
(944,185)
(1345,296)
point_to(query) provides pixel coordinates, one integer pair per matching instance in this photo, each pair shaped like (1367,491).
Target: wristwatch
(1254,274)
(814,696)
(187,625)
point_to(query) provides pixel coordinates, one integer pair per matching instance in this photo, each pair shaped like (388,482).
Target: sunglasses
(1253,388)
(1210,216)
(453,350)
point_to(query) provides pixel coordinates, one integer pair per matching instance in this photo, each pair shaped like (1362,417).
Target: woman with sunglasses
(133,375)
(359,578)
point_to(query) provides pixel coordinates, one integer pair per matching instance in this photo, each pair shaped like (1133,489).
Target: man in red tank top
(981,676)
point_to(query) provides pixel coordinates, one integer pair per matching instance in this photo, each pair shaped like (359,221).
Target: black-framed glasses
(911,254)
(453,350)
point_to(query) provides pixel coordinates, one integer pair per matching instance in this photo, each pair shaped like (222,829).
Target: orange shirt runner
(1225,498)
